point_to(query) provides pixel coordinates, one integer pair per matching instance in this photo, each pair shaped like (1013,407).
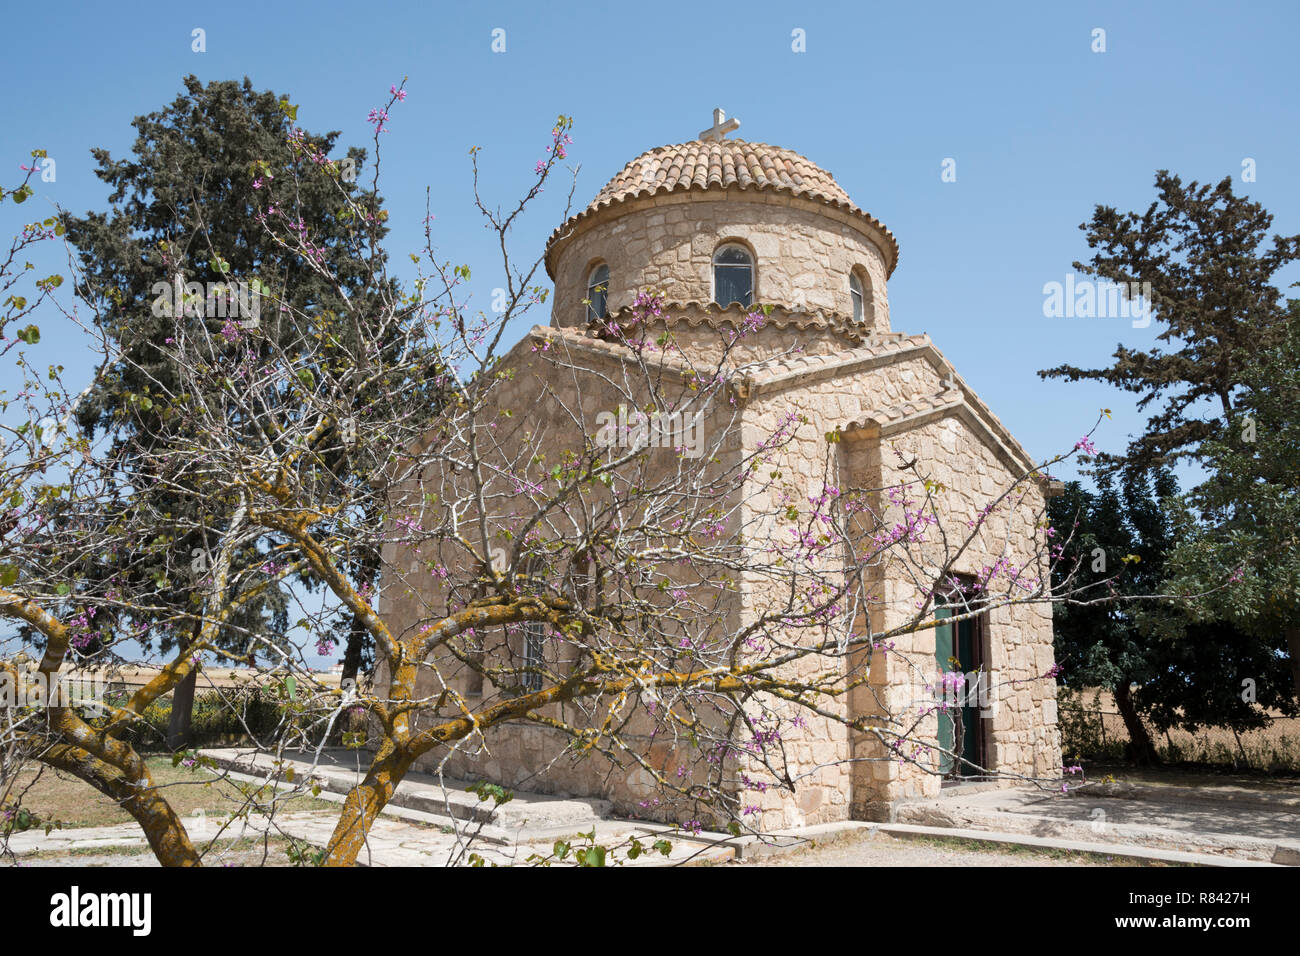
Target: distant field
(212,677)
(1273,748)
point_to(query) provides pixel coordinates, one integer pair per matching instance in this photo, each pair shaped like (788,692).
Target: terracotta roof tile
(718,165)
(731,162)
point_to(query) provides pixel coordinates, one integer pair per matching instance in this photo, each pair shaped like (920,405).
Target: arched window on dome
(860,296)
(733,275)
(598,293)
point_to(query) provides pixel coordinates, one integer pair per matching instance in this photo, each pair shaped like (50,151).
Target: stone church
(717,226)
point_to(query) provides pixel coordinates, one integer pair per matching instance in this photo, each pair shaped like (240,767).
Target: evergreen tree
(189,206)
(1206,255)
(1161,665)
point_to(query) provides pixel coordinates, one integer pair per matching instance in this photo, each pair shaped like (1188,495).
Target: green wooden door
(956,649)
(943,652)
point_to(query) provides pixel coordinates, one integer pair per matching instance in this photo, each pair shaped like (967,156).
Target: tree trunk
(357,637)
(364,802)
(1140,748)
(178,728)
(162,827)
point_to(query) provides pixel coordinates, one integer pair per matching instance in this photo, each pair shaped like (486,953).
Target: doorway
(960,650)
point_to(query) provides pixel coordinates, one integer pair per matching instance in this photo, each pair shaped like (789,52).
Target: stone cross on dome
(719,128)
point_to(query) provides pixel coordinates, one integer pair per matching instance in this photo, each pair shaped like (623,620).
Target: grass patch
(247,851)
(52,795)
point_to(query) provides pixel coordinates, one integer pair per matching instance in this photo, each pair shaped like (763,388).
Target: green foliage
(1098,644)
(1083,734)
(591,856)
(1240,554)
(304,854)
(490,791)
(1189,672)
(218,719)
(1229,549)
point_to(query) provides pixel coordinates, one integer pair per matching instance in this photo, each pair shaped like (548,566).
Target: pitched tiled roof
(893,416)
(786,371)
(720,165)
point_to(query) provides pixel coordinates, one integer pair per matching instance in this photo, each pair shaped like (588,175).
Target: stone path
(428,823)
(873,847)
(390,843)
(440,802)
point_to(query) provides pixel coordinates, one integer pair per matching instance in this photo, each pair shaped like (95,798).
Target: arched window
(733,275)
(598,293)
(860,295)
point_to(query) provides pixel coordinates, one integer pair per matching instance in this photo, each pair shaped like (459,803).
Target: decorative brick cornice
(883,423)
(694,313)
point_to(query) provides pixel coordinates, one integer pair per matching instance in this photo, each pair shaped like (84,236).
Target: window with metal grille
(534,642)
(733,275)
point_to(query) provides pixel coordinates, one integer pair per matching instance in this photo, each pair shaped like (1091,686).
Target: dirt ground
(877,850)
(864,848)
(246,853)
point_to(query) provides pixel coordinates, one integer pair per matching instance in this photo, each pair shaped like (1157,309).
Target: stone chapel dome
(668,219)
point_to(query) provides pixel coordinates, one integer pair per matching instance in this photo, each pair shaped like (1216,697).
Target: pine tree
(1206,255)
(187,205)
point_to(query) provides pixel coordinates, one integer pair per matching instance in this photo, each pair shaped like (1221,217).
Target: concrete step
(1242,831)
(422,797)
(1121,850)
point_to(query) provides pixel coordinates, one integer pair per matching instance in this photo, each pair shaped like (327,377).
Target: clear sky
(1040,126)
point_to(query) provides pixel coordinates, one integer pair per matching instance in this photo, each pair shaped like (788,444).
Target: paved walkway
(1230,821)
(390,843)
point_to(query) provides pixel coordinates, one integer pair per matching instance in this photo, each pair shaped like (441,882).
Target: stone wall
(968,477)
(970,474)
(544,411)
(665,243)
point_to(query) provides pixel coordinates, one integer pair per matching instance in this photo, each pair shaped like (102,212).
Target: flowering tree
(581,533)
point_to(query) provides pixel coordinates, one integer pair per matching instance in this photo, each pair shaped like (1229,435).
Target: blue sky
(1041,129)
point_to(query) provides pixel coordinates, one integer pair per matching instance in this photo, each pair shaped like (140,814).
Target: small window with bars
(534,643)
